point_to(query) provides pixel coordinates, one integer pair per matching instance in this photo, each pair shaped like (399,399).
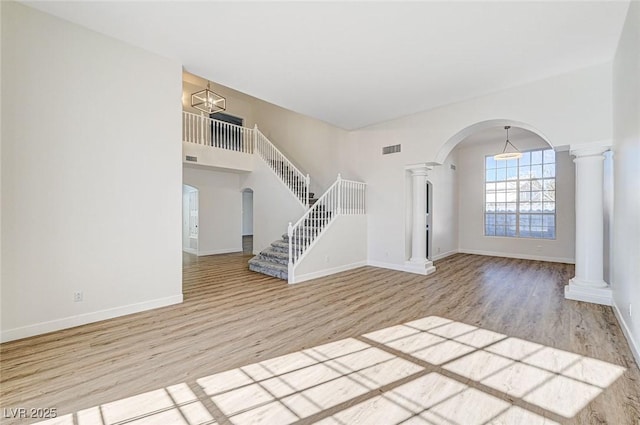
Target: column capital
(418,169)
(589,149)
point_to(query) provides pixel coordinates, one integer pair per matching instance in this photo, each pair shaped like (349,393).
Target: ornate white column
(588,284)
(418,263)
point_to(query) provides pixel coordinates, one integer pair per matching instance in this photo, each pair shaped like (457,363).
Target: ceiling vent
(390,149)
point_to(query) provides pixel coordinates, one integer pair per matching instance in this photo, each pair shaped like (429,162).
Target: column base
(419,266)
(590,292)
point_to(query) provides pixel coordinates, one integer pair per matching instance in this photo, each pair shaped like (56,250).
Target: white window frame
(509,200)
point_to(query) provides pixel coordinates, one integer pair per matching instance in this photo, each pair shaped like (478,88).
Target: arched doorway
(478,127)
(509,208)
(454,193)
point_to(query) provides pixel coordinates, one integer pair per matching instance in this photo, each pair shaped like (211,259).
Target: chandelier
(513,154)
(208,101)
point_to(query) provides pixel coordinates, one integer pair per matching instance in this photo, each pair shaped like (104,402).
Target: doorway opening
(189,219)
(247,221)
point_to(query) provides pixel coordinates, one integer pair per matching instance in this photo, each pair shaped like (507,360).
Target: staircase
(344,197)
(274,260)
(297,183)
(292,178)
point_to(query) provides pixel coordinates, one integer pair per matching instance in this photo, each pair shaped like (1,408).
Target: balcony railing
(202,130)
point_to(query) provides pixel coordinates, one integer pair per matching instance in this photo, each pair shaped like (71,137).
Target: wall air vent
(390,149)
(192,158)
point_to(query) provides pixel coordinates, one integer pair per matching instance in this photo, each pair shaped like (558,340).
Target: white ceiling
(353,64)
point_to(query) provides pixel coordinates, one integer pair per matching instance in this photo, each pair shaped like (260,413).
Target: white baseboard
(575,291)
(421,267)
(392,266)
(635,348)
(405,267)
(444,255)
(519,256)
(326,272)
(83,319)
(190,251)
(219,251)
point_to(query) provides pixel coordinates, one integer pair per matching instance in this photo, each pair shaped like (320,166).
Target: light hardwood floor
(232,318)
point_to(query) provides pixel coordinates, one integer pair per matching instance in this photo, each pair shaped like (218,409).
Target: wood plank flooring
(232,317)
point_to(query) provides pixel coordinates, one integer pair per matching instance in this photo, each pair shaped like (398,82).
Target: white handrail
(344,197)
(293,178)
(202,130)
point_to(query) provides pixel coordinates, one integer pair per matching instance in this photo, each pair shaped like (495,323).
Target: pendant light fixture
(515,154)
(208,101)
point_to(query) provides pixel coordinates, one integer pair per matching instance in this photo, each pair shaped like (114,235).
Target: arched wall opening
(472,129)
(529,189)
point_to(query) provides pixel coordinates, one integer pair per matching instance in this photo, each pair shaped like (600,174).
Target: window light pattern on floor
(429,371)
(557,381)
(176,404)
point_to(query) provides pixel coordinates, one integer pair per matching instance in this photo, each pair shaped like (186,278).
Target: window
(520,196)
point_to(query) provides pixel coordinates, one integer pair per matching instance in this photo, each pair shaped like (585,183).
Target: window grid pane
(520,197)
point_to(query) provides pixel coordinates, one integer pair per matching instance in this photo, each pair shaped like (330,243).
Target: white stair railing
(344,197)
(293,178)
(202,130)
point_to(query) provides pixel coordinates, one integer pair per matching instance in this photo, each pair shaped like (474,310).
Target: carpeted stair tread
(281,245)
(273,255)
(260,265)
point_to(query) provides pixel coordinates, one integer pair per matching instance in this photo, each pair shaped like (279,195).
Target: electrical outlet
(77,296)
(438,250)
(326,259)
(629,310)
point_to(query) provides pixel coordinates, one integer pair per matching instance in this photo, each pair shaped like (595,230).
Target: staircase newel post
(339,205)
(290,234)
(290,276)
(308,183)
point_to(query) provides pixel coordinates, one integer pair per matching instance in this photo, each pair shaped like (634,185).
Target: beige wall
(312,145)
(238,104)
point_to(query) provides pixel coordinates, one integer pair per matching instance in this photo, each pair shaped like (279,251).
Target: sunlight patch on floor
(428,371)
